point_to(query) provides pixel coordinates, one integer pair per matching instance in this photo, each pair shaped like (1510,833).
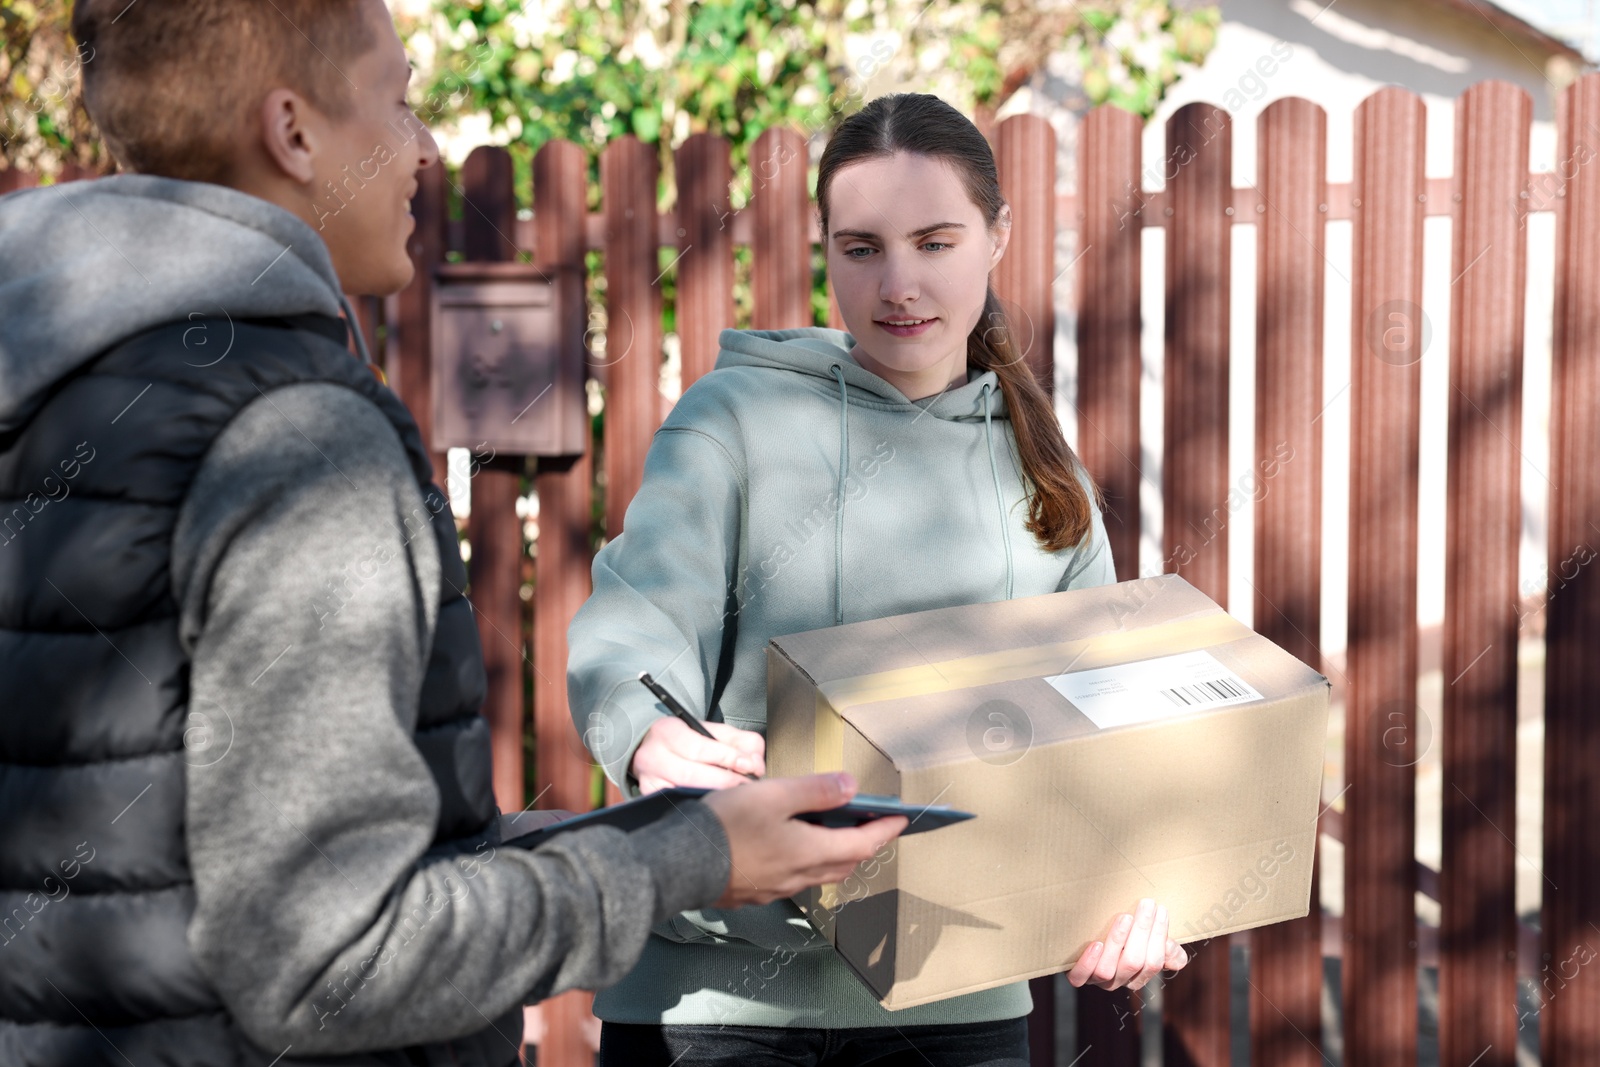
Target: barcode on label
(1126,693)
(1211,692)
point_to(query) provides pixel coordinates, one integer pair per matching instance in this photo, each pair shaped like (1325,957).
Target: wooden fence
(1479,946)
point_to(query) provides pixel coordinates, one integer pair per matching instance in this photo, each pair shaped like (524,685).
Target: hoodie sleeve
(1091,564)
(321,916)
(663,599)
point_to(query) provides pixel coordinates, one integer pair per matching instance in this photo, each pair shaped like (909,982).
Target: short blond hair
(171,83)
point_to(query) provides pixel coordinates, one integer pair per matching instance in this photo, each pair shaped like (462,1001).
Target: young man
(246,787)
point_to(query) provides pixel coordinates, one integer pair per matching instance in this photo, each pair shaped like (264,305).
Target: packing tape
(1101,650)
(828,755)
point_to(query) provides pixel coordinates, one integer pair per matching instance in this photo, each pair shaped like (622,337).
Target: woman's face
(909,256)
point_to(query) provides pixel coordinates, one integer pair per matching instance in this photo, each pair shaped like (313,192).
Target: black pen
(683,713)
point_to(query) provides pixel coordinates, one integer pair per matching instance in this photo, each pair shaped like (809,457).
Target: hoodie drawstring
(994,472)
(844,471)
(838,516)
(355,328)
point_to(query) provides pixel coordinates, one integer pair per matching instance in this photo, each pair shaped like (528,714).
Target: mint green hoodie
(788,490)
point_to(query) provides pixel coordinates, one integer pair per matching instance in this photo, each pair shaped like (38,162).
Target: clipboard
(642,811)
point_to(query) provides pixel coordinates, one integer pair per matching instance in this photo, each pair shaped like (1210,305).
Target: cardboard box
(1121,742)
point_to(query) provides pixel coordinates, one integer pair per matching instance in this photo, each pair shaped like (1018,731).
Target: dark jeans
(995,1044)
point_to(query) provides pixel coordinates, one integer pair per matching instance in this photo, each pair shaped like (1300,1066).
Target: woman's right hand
(672,754)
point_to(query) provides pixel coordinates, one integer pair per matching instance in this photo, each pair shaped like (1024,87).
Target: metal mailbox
(508,366)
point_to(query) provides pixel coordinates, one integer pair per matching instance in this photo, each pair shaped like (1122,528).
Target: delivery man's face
(366,167)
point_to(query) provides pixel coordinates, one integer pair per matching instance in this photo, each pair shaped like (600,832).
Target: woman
(817,477)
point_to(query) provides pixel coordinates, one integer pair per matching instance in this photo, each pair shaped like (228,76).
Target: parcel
(1125,741)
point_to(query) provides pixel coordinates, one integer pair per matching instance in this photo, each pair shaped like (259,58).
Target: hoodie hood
(824,353)
(815,351)
(86,264)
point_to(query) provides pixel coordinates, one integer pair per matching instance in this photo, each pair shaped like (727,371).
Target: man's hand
(673,754)
(776,855)
(1135,952)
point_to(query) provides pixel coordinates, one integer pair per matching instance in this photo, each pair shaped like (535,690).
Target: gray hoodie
(308,836)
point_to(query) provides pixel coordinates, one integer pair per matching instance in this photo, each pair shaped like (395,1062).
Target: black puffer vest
(95,886)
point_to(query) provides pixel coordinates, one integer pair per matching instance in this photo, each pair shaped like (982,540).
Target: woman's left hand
(1137,949)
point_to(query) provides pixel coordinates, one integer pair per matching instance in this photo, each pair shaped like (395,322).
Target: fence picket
(1109,372)
(1286,958)
(1570,1022)
(633,319)
(1478,928)
(1109,321)
(1026,157)
(1381,722)
(631,368)
(781,253)
(564,487)
(705,257)
(494,531)
(12,179)
(1194,473)
(561,576)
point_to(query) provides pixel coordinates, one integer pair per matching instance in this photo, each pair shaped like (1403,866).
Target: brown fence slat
(1570,1022)
(561,582)
(628,172)
(494,530)
(1194,473)
(1026,157)
(411,371)
(1108,1025)
(1286,958)
(12,179)
(705,257)
(780,258)
(1478,928)
(488,209)
(1109,319)
(76,172)
(633,319)
(1382,743)
(1108,299)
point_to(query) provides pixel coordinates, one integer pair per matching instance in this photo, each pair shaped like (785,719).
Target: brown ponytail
(1058,508)
(1059,511)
